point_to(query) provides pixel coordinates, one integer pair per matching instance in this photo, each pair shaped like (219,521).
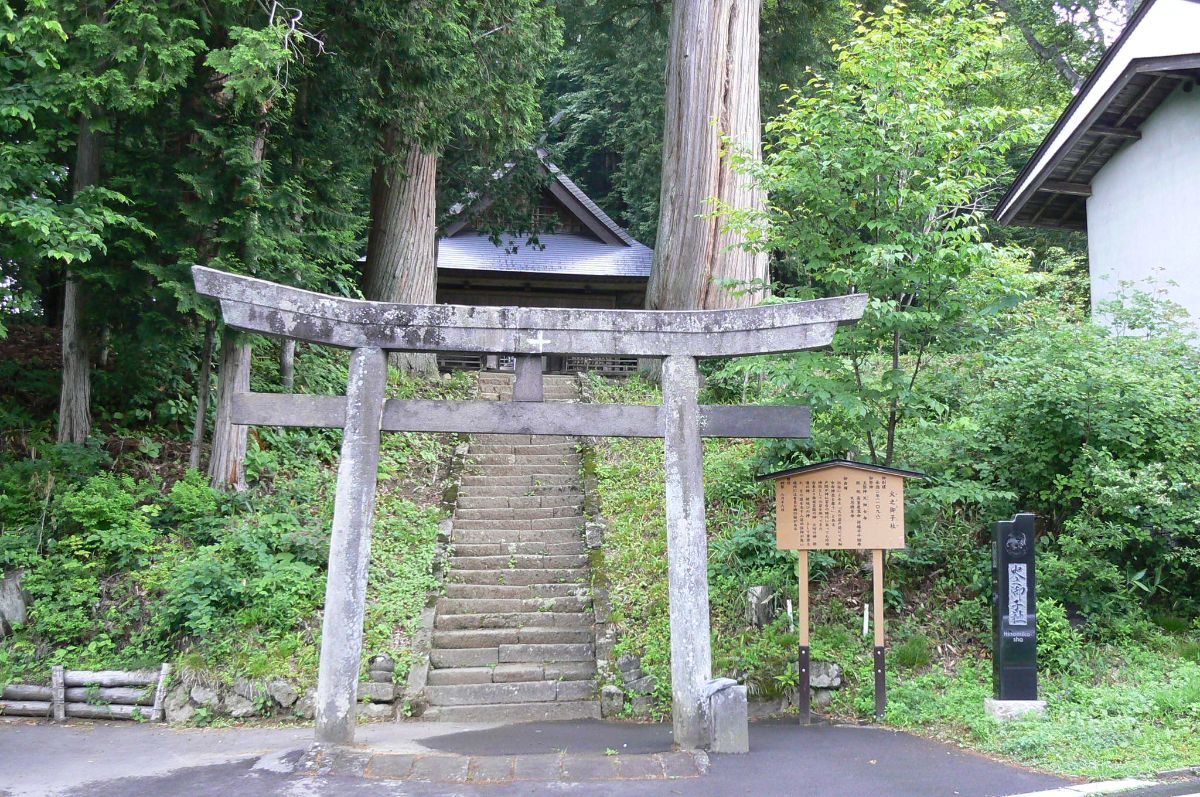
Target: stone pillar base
(1004,710)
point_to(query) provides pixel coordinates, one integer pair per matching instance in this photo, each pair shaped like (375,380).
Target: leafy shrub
(1059,643)
(105,515)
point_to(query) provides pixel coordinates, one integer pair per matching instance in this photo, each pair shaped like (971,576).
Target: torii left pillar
(350,549)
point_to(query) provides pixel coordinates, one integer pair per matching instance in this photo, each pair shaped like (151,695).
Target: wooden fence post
(58,692)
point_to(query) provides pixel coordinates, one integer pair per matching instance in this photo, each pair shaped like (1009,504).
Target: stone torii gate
(371,329)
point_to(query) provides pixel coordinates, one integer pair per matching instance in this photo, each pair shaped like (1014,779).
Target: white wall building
(1123,160)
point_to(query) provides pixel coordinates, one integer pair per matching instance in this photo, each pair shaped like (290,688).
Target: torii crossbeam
(371,329)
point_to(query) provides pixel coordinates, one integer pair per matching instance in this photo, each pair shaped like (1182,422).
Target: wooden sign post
(840,505)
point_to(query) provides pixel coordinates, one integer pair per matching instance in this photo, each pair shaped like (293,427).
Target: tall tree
(712,105)
(467,72)
(881,174)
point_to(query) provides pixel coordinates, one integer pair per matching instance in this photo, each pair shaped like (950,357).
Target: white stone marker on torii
(372,329)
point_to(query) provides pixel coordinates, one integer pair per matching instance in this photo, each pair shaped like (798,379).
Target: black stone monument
(1014,609)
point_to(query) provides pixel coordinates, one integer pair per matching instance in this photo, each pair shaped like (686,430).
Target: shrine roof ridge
(260,306)
(849,463)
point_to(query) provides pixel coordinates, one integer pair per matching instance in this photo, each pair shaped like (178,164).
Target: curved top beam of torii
(260,306)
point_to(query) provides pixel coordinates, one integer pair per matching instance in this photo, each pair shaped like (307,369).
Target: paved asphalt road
(102,760)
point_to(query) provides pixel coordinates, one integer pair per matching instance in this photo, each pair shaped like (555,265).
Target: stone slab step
(492,491)
(471,480)
(516,712)
(499,536)
(524,460)
(517,513)
(516,561)
(532,470)
(520,524)
(522,439)
(462,639)
(519,501)
(511,673)
(547,652)
(469,657)
(524,448)
(448,607)
(513,692)
(498,618)
(517,577)
(509,591)
(520,548)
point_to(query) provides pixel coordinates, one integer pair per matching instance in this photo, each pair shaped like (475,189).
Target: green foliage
(879,174)
(914,653)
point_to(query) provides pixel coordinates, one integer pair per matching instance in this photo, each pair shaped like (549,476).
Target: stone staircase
(513,637)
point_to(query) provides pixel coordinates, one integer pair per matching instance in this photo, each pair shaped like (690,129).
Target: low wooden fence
(91,694)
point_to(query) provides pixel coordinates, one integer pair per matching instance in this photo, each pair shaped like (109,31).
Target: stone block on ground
(14,603)
(305,706)
(382,662)
(641,706)
(239,707)
(1005,710)
(628,663)
(612,701)
(205,696)
(282,692)
(642,686)
(178,706)
(825,675)
(377,692)
(728,716)
(377,711)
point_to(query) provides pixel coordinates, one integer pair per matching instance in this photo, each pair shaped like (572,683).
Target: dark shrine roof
(1157,51)
(834,463)
(556,253)
(601,249)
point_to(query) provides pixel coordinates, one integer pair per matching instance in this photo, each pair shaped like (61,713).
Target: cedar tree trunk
(712,91)
(402,244)
(227,463)
(75,398)
(203,388)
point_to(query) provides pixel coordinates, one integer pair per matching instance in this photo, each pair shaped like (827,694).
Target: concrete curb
(489,769)
(1092,789)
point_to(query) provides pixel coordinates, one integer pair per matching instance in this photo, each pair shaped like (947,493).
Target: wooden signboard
(840,505)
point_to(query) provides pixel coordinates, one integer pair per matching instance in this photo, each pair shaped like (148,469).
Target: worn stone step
(461,639)
(469,657)
(506,490)
(518,577)
(494,479)
(451,676)
(566,522)
(518,501)
(512,692)
(523,469)
(473,638)
(517,513)
(498,618)
(523,460)
(515,673)
(520,548)
(520,449)
(521,439)
(516,562)
(491,534)
(448,607)
(535,652)
(516,712)
(519,591)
